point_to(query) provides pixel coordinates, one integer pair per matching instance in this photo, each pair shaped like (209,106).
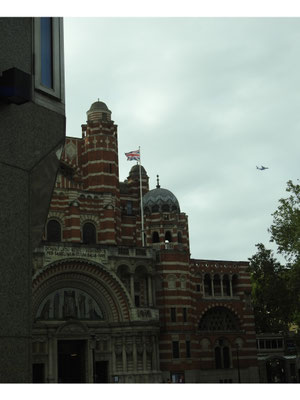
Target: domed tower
(100,150)
(100,167)
(166,227)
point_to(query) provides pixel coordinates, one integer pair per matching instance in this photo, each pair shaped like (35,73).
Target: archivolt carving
(101,285)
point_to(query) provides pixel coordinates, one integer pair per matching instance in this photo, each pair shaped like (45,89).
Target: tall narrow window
(49,63)
(155,237)
(175,349)
(184,313)
(173,314)
(89,233)
(168,236)
(129,207)
(188,348)
(53,231)
(46,52)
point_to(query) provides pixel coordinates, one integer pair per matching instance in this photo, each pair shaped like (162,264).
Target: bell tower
(100,165)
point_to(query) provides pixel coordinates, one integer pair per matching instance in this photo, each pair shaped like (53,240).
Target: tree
(271,295)
(285,230)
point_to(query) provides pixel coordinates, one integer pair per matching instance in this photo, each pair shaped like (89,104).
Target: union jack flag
(133,155)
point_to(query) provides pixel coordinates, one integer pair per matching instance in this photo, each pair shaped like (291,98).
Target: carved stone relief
(69,303)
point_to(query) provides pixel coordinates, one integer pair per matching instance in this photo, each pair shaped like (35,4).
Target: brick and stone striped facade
(136,313)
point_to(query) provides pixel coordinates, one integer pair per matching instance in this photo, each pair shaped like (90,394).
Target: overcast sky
(206,99)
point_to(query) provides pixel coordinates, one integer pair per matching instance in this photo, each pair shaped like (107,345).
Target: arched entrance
(83,331)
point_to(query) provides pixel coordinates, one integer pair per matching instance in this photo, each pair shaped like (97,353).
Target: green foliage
(271,297)
(285,230)
(276,289)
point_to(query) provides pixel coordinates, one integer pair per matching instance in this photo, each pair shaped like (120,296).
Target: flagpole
(141,196)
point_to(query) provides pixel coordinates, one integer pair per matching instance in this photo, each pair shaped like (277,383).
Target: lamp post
(238,362)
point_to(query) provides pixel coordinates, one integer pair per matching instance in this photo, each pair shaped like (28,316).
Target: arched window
(207,285)
(168,236)
(217,285)
(179,237)
(222,354)
(53,231)
(155,237)
(89,233)
(165,208)
(234,285)
(155,208)
(226,285)
(219,319)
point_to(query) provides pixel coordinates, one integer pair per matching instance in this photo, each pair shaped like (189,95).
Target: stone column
(90,360)
(154,356)
(134,355)
(222,290)
(132,287)
(144,354)
(51,350)
(212,285)
(124,356)
(230,285)
(113,357)
(150,301)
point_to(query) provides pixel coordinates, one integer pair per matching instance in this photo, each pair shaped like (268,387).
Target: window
(49,61)
(175,349)
(207,285)
(219,319)
(217,285)
(155,237)
(89,233)
(179,237)
(168,236)
(184,314)
(53,231)
(222,355)
(198,288)
(226,285)
(173,314)
(129,207)
(188,348)
(137,300)
(46,53)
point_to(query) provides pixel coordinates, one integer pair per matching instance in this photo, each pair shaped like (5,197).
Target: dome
(135,171)
(98,106)
(98,112)
(160,200)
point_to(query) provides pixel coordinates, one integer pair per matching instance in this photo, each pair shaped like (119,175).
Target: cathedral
(116,296)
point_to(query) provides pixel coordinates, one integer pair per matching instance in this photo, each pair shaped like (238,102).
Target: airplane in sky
(262,168)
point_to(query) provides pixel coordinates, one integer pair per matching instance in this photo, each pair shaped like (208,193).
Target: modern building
(118,300)
(32,126)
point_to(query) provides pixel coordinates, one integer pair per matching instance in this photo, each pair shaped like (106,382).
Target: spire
(157,185)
